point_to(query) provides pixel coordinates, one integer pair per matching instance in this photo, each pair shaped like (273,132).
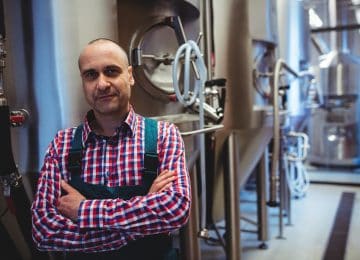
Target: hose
(296,174)
(297,178)
(187,98)
(193,55)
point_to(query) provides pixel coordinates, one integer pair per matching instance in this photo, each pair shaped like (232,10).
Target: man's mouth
(105,97)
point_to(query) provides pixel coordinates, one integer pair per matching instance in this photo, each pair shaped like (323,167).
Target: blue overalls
(157,247)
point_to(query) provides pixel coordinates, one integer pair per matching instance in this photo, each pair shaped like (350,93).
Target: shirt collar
(127,126)
(131,121)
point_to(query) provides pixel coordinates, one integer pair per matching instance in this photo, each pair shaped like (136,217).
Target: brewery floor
(324,224)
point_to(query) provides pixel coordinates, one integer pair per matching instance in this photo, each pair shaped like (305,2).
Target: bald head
(104,45)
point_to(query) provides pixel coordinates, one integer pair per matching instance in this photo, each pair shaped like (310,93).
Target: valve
(18,117)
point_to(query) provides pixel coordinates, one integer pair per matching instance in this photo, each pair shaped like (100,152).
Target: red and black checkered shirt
(107,224)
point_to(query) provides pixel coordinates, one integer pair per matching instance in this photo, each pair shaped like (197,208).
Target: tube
(187,99)
(280,63)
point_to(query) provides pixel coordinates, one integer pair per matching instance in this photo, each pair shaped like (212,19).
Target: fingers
(165,177)
(163,181)
(68,204)
(167,186)
(66,187)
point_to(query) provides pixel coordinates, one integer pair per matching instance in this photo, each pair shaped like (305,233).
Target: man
(67,216)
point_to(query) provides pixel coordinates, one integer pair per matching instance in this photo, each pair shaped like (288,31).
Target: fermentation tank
(143,36)
(333,127)
(151,36)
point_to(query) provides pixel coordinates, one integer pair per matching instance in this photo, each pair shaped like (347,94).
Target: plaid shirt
(107,224)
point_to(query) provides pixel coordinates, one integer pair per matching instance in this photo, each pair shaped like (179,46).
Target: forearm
(53,231)
(154,213)
(52,234)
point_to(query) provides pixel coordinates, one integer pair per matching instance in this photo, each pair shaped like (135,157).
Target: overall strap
(151,160)
(75,154)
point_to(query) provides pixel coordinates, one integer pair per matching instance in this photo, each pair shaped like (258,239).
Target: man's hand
(68,204)
(163,181)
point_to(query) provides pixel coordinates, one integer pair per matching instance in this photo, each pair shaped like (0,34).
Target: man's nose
(103,82)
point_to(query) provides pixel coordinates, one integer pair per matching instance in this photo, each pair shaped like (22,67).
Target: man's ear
(131,76)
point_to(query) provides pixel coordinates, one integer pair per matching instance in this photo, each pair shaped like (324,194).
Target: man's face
(107,79)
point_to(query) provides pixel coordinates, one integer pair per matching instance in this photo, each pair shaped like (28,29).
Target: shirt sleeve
(52,231)
(159,212)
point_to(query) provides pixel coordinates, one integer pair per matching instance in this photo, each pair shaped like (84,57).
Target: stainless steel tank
(238,50)
(151,35)
(333,127)
(294,49)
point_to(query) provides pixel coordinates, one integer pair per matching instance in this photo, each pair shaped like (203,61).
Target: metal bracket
(13,180)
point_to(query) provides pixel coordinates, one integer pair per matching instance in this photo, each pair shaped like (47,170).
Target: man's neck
(106,124)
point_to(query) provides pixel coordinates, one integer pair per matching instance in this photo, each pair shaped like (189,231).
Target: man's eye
(90,75)
(111,72)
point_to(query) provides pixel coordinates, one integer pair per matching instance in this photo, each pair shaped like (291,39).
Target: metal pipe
(209,111)
(277,155)
(280,63)
(276,126)
(288,201)
(2,65)
(318,46)
(208,36)
(2,48)
(262,213)
(203,130)
(285,199)
(232,202)
(343,41)
(332,22)
(282,183)
(2,21)
(336,28)
(289,69)
(189,242)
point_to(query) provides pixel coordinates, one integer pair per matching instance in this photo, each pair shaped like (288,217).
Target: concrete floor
(312,219)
